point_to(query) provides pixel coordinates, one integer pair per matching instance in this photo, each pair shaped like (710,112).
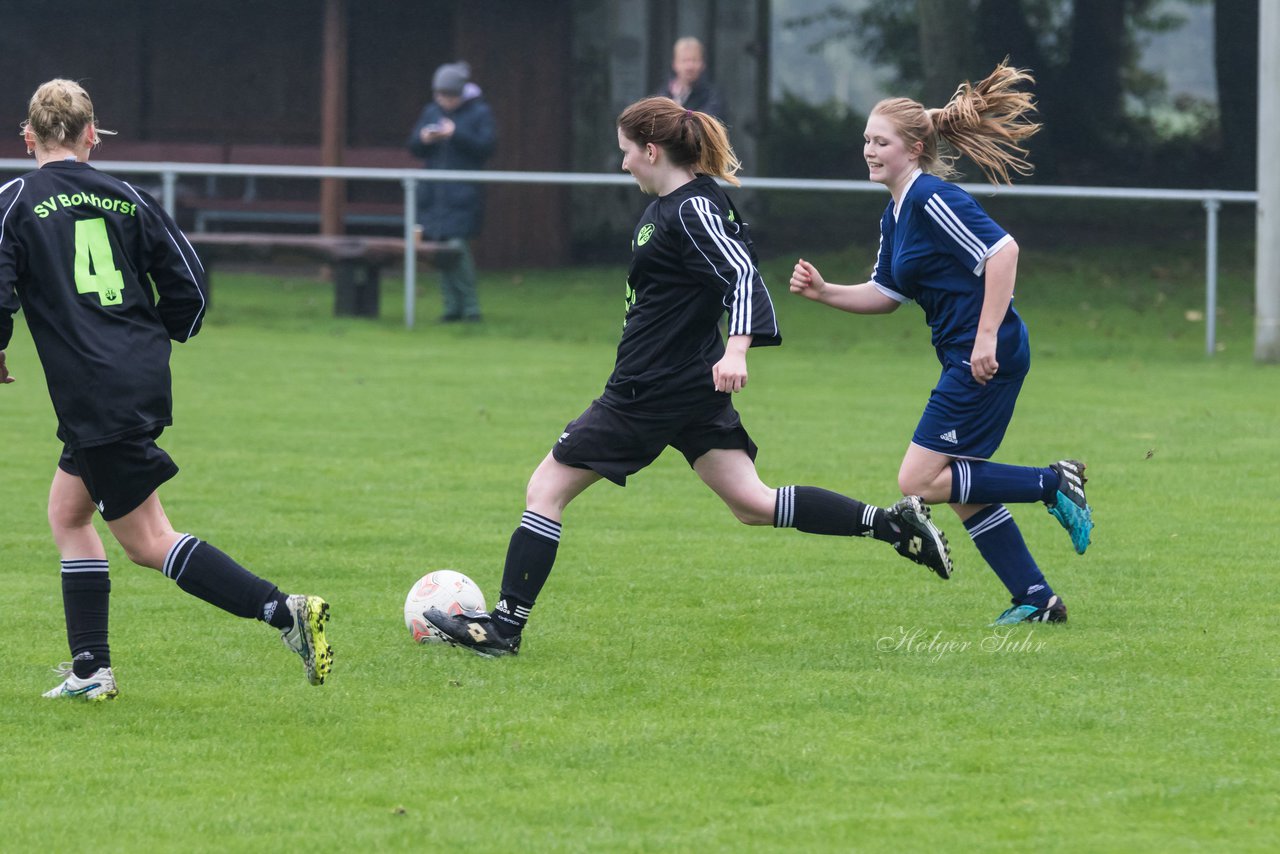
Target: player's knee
(753,510)
(909,483)
(753,517)
(144,551)
(68,515)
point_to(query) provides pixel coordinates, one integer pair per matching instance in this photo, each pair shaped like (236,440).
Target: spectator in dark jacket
(454,131)
(690,87)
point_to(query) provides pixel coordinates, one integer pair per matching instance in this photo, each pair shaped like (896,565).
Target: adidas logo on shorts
(949,436)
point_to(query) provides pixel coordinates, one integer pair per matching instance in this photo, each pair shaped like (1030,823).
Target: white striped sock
(784,507)
(546,528)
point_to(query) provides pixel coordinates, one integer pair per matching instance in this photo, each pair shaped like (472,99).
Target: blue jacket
(454,208)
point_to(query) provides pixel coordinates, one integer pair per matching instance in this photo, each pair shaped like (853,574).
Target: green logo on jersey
(630,301)
(646,231)
(63,201)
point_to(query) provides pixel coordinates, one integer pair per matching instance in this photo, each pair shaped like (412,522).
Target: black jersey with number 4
(692,261)
(80,252)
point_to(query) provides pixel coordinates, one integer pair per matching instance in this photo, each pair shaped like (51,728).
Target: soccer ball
(446,589)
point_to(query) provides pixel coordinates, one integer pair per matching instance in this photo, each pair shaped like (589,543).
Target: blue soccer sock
(982,482)
(1000,542)
(530,557)
(86,599)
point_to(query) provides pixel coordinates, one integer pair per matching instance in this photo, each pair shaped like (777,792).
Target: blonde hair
(985,122)
(689,137)
(58,114)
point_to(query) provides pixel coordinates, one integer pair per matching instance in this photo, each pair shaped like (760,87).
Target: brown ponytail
(689,137)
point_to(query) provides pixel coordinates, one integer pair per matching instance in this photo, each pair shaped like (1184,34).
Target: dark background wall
(232,74)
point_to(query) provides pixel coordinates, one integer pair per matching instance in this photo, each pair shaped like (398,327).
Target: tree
(1083,54)
(1235,41)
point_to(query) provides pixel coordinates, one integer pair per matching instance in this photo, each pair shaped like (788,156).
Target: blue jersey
(934,250)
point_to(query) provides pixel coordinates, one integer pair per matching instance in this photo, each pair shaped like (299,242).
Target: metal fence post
(410,250)
(1211,207)
(169,183)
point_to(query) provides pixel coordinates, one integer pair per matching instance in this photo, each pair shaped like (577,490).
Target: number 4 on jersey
(96,271)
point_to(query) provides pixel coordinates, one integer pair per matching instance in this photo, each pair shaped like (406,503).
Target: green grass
(687,684)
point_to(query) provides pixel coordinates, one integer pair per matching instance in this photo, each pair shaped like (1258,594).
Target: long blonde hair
(59,112)
(985,122)
(689,137)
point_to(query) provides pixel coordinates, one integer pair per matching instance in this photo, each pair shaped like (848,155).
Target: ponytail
(986,122)
(690,138)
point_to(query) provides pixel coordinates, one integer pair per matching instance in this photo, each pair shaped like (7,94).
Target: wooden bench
(211,211)
(357,261)
(238,201)
(284,201)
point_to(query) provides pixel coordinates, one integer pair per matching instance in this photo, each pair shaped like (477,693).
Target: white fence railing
(1211,200)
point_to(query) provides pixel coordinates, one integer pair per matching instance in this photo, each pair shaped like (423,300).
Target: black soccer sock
(207,573)
(530,556)
(820,511)
(86,597)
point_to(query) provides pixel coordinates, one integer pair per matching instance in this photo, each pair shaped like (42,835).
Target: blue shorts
(966,419)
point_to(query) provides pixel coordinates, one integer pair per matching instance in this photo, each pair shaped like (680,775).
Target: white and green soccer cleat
(306,636)
(99,687)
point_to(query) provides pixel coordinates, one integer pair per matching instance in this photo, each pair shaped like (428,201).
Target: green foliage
(687,683)
(1107,121)
(812,140)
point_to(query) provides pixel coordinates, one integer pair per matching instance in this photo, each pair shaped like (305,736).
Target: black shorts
(121,475)
(618,441)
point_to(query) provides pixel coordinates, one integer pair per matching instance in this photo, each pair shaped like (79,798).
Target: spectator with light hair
(690,86)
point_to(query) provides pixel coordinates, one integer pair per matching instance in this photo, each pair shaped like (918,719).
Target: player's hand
(806,280)
(442,129)
(5,377)
(730,373)
(982,362)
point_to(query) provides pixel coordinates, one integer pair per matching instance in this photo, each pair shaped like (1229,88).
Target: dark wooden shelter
(311,81)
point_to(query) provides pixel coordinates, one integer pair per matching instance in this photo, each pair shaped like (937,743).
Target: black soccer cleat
(1053,611)
(920,540)
(472,631)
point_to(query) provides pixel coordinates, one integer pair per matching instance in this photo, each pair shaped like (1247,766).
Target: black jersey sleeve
(173,266)
(717,253)
(9,260)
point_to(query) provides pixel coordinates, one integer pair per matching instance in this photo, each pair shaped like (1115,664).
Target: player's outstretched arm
(5,376)
(865,298)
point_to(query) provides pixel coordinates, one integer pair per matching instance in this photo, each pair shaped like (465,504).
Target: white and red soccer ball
(446,589)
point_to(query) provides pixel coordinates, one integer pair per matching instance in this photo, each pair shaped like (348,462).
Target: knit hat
(451,77)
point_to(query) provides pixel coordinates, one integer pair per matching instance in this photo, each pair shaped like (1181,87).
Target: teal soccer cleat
(1070,507)
(1053,611)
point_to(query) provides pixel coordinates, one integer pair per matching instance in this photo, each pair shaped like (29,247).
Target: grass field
(687,684)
